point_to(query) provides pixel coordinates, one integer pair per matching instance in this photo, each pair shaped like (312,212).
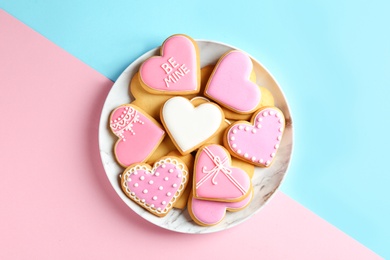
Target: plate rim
(138,62)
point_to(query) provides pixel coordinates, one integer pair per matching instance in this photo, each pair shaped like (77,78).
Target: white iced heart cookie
(190,126)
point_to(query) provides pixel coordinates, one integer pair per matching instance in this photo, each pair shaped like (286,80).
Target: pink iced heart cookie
(257,142)
(138,133)
(229,83)
(156,189)
(176,71)
(214,177)
(209,213)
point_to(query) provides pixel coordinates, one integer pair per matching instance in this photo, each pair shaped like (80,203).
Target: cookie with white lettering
(175,71)
(152,103)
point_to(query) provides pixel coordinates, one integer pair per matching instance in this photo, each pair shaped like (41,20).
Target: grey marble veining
(265,180)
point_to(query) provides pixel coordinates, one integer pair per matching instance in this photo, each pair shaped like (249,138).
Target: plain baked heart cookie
(257,142)
(189,126)
(176,71)
(230,84)
(138,133)
(156,189)
(216,179)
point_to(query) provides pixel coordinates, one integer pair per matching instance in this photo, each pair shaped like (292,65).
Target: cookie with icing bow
(216,179)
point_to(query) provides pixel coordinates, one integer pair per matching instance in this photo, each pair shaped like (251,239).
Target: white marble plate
(265,181)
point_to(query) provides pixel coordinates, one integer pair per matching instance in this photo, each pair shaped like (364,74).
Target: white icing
(190,126)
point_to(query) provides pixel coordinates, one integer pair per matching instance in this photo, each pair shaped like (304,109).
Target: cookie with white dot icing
(256,142)
(188,160)
(156,189)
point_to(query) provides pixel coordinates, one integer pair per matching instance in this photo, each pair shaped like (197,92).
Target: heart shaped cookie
(209,213)
(156,189)
(176,71)
(256,142)
(190,126)
(230,85)
(214,177)
(138,133)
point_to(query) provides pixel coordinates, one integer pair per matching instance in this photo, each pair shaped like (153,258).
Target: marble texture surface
(265,181)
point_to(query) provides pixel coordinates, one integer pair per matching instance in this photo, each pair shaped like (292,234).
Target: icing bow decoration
(220,167)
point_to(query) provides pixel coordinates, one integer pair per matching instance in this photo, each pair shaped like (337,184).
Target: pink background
(56,202)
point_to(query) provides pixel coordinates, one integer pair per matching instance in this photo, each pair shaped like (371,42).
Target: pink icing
(230,85)
(156,189)
(215,179)
(212,212)
(176,70)
(138,135)
(258,143)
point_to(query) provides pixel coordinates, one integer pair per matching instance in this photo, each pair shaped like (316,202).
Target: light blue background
(332,59)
